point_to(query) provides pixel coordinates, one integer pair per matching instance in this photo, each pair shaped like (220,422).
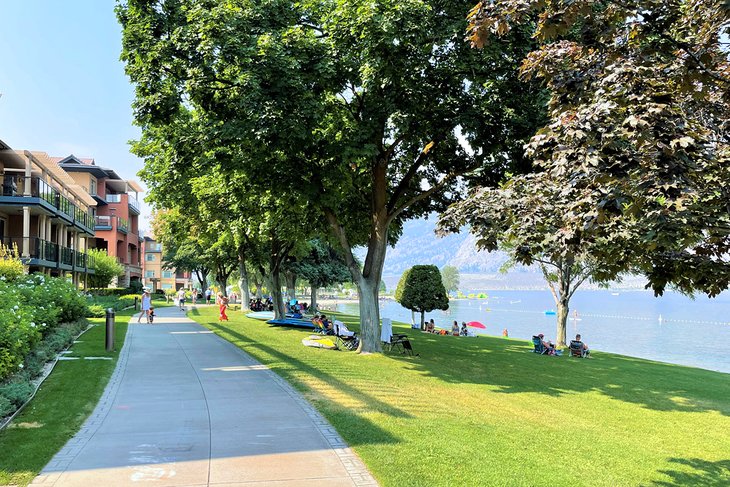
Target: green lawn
(64,401)
(486,411)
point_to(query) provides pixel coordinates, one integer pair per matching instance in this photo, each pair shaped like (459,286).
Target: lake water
(672,328)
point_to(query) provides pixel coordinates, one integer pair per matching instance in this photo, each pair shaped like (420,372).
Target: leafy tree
(450,278)
(106,268)
(374,112)
(181,236)
(526,218)
(421,290)
(322,267)
(638,131)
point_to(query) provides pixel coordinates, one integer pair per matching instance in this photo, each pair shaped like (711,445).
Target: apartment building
(117,213)
(46,214)
(156,276)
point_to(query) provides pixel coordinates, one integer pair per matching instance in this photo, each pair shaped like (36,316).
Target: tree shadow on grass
(511,366)
(702,473)
(374,434)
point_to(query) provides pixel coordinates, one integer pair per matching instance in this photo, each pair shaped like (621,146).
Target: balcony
(16,189)
(102,222)
(122,225)
(43,253)
(38,249)
(105,222)
(133,205)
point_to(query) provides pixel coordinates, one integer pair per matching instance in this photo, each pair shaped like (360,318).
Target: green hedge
(18,388)
(109,291)
(32,307)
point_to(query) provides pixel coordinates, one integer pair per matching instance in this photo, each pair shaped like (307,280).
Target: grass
(486,411)
(62,404)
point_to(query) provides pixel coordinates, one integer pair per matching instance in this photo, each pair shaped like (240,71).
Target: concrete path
(186,408)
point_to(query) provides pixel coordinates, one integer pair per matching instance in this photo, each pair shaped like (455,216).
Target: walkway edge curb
(352,463)
(61,460)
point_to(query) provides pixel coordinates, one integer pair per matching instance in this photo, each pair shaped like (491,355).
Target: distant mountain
(420,245)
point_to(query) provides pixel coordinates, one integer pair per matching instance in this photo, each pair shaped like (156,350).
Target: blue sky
(63,86)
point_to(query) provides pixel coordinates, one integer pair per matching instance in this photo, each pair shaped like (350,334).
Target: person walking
(222,303)
(146,304)
(181,298)
(208,294)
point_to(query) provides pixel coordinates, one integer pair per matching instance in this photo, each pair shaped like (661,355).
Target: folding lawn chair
(577,349)
(345,338)
(539,346)
(390,340)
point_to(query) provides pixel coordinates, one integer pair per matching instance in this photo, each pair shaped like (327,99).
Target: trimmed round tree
(421,289)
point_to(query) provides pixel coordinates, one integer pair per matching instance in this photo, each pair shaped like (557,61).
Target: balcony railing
(37,248)
(103,222)
(113,198)
(43,250)
(122,225)
(67,256)
(133,205)
(35,187)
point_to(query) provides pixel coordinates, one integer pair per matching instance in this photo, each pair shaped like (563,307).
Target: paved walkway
(186,408)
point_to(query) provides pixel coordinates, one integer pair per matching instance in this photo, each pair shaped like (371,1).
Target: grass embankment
(486,411)
(62,404)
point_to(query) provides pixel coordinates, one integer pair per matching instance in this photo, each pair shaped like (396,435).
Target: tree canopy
(638,136)
(374,112)
(106,268)
(450,278)
(422,290)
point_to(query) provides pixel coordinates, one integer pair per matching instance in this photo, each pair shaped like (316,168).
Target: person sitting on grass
(586,351)
(464,329)
(549,346)
(431,327)
(455,328)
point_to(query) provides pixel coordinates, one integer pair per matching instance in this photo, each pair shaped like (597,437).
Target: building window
(149,274)
(92,186)
(150,258)
(167,274)
(167,286)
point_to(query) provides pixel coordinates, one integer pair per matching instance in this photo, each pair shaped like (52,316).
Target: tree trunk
(203,278)
(423,318)
(413,320)
(258,290)
(243,285)
(313,303)
(369,315)
(562,313)
(291,282)
(279,312)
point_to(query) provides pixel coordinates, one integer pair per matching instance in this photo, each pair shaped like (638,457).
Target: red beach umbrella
(476,324)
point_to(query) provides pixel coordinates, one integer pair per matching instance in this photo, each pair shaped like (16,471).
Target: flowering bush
(32,306)
(11,267)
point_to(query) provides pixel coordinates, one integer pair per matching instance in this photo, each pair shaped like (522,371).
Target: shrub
(16,392)
(6,407)
(106,268)
(11,267)
(33,306)
(109,291)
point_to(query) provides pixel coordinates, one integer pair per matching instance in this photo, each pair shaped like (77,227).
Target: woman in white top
(146,303)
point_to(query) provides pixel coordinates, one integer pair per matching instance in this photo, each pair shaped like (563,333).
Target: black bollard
(109,329)
(136,300)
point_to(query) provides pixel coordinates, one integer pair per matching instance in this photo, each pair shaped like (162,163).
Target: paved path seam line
(353,465)
(205,397)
